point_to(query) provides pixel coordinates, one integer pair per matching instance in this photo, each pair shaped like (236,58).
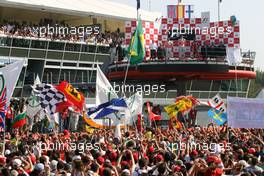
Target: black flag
(138,4)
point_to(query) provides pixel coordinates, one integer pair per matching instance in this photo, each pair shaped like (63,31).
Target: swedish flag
(218,117)
(136,48)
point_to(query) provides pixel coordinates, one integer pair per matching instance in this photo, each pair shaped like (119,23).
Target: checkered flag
(49,97)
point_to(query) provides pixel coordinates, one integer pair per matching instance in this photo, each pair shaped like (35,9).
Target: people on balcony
(25,29)
(153,50)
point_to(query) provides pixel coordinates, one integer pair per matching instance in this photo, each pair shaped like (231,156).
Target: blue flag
(113,106)
(219,117)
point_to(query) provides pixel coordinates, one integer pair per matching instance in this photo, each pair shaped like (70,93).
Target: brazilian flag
(136,48)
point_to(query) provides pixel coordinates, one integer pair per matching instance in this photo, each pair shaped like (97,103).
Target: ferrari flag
(74,97)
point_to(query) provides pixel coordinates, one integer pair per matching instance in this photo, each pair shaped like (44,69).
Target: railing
(204,55)
(52,45)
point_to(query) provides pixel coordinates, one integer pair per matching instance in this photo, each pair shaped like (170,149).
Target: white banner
(233,55)
(11,74)
(245,112)
(205,16)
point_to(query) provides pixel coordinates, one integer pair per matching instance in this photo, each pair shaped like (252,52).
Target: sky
(249,13)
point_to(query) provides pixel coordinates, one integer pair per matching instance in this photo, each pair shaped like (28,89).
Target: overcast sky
(249,13)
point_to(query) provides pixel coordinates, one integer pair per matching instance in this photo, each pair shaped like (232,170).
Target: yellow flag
(171,110)
(89,129)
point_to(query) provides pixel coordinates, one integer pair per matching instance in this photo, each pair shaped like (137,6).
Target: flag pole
(4,141)
(236,81)
(128,59)
(219,1)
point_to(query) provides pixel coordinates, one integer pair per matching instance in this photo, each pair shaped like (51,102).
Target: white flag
(104,93)
(33,106)
(217,103)
(233,55)
(134,103)
(11,73)
(118,131)
(104,90)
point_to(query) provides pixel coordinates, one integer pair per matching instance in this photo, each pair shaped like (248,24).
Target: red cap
(66,133)
(209,159)
(2,159)
(218,171)
(100,160)
(194,152)
(214,159)
(135,156)
(33,159)
(159,158)
(124,163)
(145,156)
(217,160)
(177,169)
(151,149)
(109,147)
(251,151)
(113,156)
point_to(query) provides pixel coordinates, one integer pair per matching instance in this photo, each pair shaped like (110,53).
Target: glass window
(56,45)
(71,56)
(39,44)
(86,57)
(17,92)
(53,63)
(4,51)
(201,85)
(5,41)
(26,91)
(69,64)
(51,76)
(244,85)
(37,53)
(21,43)
(103,49)
(19,52)
(91,48)
(85,48)
(82,76)
(68,75)
(72,47)
(85,65)
(225,85)
(216,85)
(55,55)
(21,78)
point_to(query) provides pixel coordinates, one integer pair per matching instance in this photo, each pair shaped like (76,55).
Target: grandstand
(73,57)
(68,56)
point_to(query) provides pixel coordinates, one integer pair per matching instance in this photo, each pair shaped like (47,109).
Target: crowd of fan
(25,29)
(149,152)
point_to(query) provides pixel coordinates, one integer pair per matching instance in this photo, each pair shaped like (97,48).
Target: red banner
(74,97)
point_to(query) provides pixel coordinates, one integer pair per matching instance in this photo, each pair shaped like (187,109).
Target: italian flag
(19,120)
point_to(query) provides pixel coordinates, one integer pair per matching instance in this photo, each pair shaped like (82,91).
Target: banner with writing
(245,112)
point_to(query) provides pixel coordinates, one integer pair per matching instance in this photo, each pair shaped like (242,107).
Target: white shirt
(153,46)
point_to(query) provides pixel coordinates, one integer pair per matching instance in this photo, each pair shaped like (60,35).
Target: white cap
(17,162)
(77,157)
(7,152)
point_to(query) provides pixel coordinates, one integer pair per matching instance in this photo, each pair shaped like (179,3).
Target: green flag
(136,48)
(19,121)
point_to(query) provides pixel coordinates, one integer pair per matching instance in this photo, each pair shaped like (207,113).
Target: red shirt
(215,172)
